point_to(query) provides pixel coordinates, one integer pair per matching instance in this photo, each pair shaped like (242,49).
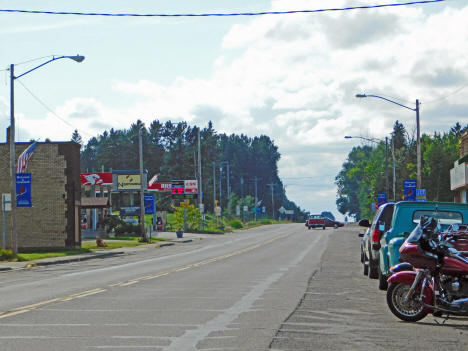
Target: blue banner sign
(23,190)
(130,211)
(149,204)
(381,198)
(410,190)
(259,210)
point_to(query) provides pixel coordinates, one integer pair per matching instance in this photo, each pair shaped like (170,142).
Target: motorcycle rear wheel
(411,311)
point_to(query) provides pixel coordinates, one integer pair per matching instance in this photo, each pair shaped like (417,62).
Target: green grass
(111,245)
(39,255)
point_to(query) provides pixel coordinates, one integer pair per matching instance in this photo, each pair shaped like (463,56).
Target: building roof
(95,202)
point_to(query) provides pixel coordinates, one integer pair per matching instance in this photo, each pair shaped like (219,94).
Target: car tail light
(375,235)
(375,239)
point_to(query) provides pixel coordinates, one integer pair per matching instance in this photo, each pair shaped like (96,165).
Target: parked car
(331,223)
(315,221)
(380,224)
(364,257)
(406,217)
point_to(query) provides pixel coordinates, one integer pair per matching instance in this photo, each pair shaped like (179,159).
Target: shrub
(236,224)
(6,255)
(265,221)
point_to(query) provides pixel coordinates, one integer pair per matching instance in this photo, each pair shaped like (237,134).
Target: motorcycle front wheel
(409,311)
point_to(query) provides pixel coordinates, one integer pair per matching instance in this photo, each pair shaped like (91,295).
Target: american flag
(24,158)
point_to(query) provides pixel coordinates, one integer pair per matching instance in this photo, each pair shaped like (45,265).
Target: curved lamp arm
(364,95)
(76,58)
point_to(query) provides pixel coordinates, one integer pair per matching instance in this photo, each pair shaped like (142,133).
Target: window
(442,217)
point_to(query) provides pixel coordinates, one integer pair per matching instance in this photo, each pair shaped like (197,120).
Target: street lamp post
(386,157)
(418,131)
(14,243)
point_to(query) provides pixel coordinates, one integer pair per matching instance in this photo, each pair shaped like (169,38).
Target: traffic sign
(410,190)
(184,204)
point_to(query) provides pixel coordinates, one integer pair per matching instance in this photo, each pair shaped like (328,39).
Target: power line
(430,102)
(327,175)
(51,110)
(218,14)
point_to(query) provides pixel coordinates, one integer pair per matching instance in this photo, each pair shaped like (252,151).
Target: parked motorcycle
(439,282)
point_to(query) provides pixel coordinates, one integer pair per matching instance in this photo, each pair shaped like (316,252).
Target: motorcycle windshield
(415,235)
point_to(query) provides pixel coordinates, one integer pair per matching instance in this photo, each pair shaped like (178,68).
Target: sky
(293,77)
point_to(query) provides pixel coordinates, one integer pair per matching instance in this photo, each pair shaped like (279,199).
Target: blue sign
(420,192)
(410,190)
(381,198)
(23,190)
(149,203)
(259,210)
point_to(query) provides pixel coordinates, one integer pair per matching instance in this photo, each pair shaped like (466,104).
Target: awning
(94,202)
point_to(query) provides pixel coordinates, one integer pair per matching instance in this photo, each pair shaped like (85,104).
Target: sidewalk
(187,237)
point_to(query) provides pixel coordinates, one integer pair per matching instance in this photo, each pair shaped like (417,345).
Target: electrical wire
(220,14)
(327,175)
(409,102)
(430,102)
(52,111)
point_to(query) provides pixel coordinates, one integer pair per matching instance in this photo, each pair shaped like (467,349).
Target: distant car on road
(131,220)
(331,223)
(315,221)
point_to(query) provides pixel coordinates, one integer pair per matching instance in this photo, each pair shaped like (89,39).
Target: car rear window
(316,217)
(443,217)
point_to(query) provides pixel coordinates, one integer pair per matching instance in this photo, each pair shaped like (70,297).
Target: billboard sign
(96,179)
(149,204)
(159,187)
(191,186)
(381,198)
(410,190)
(23,190)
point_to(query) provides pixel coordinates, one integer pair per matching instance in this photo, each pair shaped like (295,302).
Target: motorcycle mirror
(455,227)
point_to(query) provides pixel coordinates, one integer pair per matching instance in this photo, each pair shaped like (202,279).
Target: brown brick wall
(55,188)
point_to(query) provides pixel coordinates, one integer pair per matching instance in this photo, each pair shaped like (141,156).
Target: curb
(79,259)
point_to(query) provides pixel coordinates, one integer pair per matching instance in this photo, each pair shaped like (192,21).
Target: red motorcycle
(439,283)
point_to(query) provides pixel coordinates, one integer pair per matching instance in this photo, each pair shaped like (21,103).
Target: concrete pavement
(187,237)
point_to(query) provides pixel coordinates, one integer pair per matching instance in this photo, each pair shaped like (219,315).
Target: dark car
(380,224)
(331,223)
(363,252)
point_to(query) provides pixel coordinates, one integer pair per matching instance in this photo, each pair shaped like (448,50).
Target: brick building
(54,220)
(459,174)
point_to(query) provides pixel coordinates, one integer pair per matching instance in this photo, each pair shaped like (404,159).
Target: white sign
(6,199)
(282,209)
(459,176)
(246,209)
(201,207)
(218,211)
(263,209)
(191,186)
(289,212)
(237,210)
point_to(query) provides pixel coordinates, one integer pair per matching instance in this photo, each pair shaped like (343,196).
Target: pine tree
(76,137)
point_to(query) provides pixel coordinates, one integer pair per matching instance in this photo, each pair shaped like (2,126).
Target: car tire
(309,228)
(366,269)
(323,228)
(383,284)
(335,226)
(362,257)
(373,273)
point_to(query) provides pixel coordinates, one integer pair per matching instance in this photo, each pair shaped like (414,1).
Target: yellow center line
(35,306)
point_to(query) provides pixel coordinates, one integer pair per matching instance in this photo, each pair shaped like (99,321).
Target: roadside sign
(381,198)
(218,211)
(191,186)
(184,204)
(259,210)
(421,195)
(23,190)
(201,207)
(149,204)
(246,208)
(282,209)
(410,190)
(289,212)
(237,210)
(264,209)
(6,200)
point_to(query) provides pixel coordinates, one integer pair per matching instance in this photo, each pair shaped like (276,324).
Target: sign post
(381,198)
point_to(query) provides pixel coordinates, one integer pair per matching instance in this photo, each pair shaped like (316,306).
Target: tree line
(363,174)
(170,150)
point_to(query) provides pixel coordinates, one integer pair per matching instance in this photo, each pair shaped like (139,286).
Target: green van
(405,218)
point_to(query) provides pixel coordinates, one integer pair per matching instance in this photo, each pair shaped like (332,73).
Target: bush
(126,229)
(236,224)
(6,255)
(266,221)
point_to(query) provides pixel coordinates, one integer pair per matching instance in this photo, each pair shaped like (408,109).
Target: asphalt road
(278,287)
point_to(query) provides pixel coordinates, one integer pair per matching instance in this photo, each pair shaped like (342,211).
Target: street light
(200,185)
(76,58)
(418,130)
(374,140)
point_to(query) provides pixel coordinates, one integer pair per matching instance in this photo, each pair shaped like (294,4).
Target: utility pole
(272,200)
(256,198)
(418,131)
(228,189)
(394,176)
(242,184)
(14,234)
(142,193)
(386,168)
(200,186)
(220,182)
(214,187)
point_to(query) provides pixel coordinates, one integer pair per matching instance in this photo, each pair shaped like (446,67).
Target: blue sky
(291,77)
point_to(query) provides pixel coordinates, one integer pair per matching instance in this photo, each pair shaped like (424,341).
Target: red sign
(96,178)
(191,187)
(160,187)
